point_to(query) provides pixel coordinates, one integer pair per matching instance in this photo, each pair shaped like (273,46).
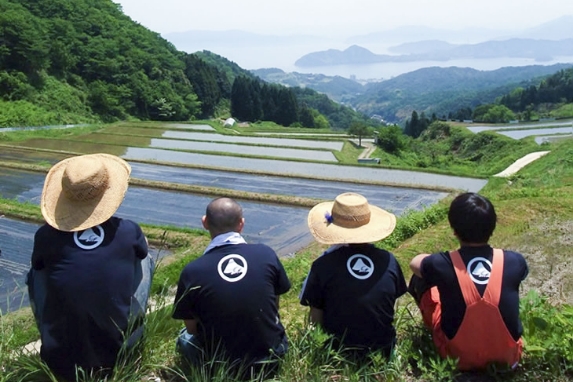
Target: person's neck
(215,234)
(466,244)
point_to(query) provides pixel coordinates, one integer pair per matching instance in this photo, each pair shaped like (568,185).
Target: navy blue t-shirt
(232,290)
(438,270)
(356,286)
(90,282)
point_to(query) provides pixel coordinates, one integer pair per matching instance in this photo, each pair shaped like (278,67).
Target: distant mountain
(418,47)
(440,90)
(412,33)
(337,88)
(558,29)
(540,50)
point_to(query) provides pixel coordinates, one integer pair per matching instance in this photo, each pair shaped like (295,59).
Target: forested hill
(72,61)
(441,90)
(85,57)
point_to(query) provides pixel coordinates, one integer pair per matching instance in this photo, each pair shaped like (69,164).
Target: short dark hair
(472,217)
(223,215)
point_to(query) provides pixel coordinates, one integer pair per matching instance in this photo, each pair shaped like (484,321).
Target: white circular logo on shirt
(360,266)
(479,270)
(232,268)
(90,238)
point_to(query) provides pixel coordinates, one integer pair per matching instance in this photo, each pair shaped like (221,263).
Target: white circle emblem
(90,238)
(479,270)
(360,266)
(232,268)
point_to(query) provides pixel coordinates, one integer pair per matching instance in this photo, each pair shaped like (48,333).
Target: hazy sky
(345,17)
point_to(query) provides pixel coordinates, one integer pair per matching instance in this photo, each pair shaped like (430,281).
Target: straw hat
(349,219)
(84,191)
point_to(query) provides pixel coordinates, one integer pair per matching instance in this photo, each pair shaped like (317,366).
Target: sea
(284,57)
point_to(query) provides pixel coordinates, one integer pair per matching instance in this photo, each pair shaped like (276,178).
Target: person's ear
(205,222)
(241,225)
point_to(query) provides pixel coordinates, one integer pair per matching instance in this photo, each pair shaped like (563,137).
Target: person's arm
(316,316)
(416,264)
(191,326)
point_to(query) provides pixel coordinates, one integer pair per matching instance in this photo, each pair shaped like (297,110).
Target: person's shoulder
(513,256)
(259,248)
(121,222)
(45,228)
(437,259)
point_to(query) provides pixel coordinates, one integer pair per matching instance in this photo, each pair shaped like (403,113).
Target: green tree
(305,116)
(360,130)
(391,139)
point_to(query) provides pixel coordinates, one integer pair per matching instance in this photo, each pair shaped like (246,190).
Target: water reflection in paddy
(283,227)
(391,198)
(211,137)
(518,134)
(191,126)
(327,171)
(243,149)
(333,145)
(479,129)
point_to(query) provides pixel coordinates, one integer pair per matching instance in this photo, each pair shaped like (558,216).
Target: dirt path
(520,163)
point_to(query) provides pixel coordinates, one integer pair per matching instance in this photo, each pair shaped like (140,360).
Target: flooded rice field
(279,167)
(281,142)
(118,145)
(243,149)
(190,126)
(479,129)
(518,134)
(212,137)
(318,170)
(395,199)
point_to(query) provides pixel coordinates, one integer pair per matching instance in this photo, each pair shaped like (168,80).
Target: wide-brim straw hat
(84,191)
(349,219)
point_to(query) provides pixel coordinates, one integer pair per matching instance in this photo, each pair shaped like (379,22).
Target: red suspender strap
(469,290)
(493,289)
(467,286)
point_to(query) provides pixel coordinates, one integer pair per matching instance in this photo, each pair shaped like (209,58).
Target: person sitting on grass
(91,272)
(353,286)
(229,299)
(469,297)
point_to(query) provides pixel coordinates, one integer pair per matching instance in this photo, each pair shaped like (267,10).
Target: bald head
(223,215)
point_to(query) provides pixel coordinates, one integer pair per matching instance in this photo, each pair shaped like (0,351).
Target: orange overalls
(482,337)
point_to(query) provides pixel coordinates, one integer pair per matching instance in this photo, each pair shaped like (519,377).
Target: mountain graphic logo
(360,266)
(479,270)
(232,268)
(90,238)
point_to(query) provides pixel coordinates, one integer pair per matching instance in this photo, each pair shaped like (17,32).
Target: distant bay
(385,71)
(284,57)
